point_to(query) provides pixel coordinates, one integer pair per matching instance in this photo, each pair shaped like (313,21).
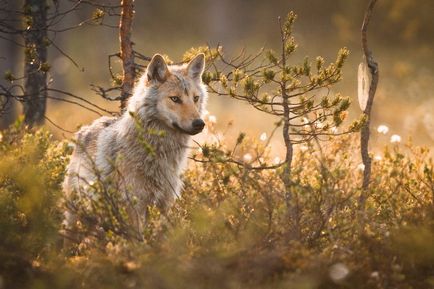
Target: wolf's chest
(149,159)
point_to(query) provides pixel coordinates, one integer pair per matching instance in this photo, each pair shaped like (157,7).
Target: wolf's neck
(164,139)
(153,136)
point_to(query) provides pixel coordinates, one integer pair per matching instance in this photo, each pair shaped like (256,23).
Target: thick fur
(115,147)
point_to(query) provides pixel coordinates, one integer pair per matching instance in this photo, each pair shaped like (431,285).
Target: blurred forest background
(401,37)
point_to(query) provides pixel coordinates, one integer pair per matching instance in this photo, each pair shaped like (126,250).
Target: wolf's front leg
(136,222)
(70,231)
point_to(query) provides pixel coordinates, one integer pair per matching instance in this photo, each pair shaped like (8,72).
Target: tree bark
(365,131)
(127,52)
(8,113)
(35,61)
(290,198)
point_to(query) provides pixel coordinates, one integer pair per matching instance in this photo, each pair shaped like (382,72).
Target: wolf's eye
(176,99)
(196,98)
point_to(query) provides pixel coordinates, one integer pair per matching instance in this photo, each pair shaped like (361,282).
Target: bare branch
(364,135)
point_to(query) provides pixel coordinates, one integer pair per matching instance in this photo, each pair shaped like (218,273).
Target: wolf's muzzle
(198,124)
(194,130)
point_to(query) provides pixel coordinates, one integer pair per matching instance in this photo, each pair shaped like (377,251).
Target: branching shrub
(31,170)
(229,228)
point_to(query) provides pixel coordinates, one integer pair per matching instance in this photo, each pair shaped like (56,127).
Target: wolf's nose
(198,124)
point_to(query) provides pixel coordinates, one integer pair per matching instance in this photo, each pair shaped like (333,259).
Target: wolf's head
(174,95)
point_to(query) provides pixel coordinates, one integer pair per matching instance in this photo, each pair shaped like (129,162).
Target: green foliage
(210,53)
(8,75)
(230,228)
(31,170)
(98,16)
(298,94)
(45,67)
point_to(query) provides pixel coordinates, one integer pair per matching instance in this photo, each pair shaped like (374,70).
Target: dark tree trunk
(8,112)
(9,57)
(35,61)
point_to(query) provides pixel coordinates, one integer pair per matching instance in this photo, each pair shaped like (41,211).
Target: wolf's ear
(157,69)
(196,66)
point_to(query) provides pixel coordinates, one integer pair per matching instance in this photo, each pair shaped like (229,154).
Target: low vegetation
(230,228)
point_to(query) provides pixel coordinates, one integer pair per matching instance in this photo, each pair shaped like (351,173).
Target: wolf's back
(82,165)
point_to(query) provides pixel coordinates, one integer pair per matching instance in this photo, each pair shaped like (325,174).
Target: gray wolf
(144,151)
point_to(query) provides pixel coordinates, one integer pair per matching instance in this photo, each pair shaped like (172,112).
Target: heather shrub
(230,228)
(31,170)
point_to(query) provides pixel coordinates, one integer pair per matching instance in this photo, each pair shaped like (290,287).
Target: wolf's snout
(198,124)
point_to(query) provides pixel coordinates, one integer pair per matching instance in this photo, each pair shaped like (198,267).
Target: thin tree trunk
(35,61)
(289,148)
(293,210)
(365,133)
(127,52)
(291,198)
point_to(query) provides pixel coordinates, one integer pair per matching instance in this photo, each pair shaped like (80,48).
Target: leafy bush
(230,228)
(31,170)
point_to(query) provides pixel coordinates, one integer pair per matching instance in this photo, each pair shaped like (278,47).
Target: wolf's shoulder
(89,133)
